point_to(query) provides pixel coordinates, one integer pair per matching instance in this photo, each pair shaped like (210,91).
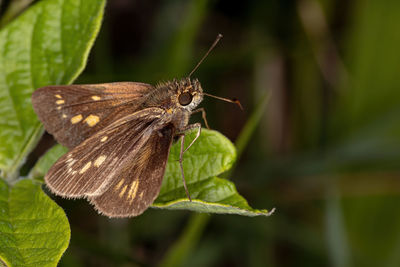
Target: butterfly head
(189,93)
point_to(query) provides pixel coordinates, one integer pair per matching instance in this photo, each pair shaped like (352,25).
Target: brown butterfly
(120,135)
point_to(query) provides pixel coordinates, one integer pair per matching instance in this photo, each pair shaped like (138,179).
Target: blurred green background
(320,84)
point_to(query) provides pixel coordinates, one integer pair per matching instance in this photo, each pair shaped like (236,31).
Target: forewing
(73,113)
(88,168)
(138,184)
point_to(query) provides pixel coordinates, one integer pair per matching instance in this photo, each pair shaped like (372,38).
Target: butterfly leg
(181,165)
(190,127)
(203,114)
(182,134)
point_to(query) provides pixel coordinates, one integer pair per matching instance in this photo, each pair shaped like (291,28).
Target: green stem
(248,130)
(184,246)
(12,173)
(187,241)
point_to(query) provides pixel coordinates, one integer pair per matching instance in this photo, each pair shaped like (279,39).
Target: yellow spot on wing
(64,116)
(59,102)
(95,97)
(141,195)
(123,191)
(133,190)
(76,119)
(58,96)
(58,108)
(92,120)
(70,163)
(169,111)
(100,160)
(119,184)
(86,167)
(104,139)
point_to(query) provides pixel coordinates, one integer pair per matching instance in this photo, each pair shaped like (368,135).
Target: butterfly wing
(88,169)
(139,182)
(73,113)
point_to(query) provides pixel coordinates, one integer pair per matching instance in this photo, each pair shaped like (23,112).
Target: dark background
(325,151)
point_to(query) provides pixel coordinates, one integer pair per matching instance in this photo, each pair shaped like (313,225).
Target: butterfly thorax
(178,98)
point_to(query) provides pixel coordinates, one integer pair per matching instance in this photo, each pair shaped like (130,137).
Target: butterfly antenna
(234,101)
(219,36)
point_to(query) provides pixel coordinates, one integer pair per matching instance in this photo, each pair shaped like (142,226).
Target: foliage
(34,230)
(49,44)
(324,151)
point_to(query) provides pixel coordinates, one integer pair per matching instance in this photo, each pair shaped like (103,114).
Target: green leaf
(210,155)
(48,44)
(34,230)
(213,195)
(45,162)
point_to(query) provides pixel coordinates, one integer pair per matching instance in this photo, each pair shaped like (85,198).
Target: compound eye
(185,99)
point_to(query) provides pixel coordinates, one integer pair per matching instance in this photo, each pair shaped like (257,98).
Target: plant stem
(248,130)
(182,248)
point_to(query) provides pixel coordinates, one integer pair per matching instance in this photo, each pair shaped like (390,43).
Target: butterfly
(119,136)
